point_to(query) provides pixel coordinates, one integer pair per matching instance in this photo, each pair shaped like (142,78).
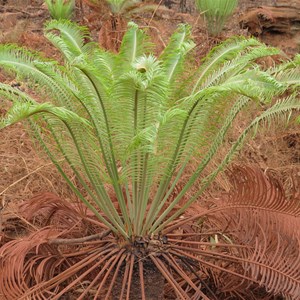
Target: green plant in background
(121,7)
(60,9)
(216,13)
(130,131)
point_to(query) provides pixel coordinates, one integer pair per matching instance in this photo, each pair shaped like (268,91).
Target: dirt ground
(25,172)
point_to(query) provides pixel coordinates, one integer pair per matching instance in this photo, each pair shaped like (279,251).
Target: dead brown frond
(28,260)
(47,262)
(65,250)
(248,239)
(253,188)
(112,32)
(243,245)
(48,209)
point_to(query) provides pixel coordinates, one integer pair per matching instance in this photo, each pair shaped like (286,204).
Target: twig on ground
(158,5)
(158,32)
(41,11)
(97,236)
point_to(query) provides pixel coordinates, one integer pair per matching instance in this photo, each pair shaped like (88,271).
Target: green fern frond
(68,37)
(107,63)
(13,94)
(288,72)
(134,44)
(39,70)
(174,54)
(22,110)
(234,66)
(14,58)
(281,110)
(227,51)
(254,84)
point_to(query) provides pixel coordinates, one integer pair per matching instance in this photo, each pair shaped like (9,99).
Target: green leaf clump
(216,13)
(60,9)
(129,125)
